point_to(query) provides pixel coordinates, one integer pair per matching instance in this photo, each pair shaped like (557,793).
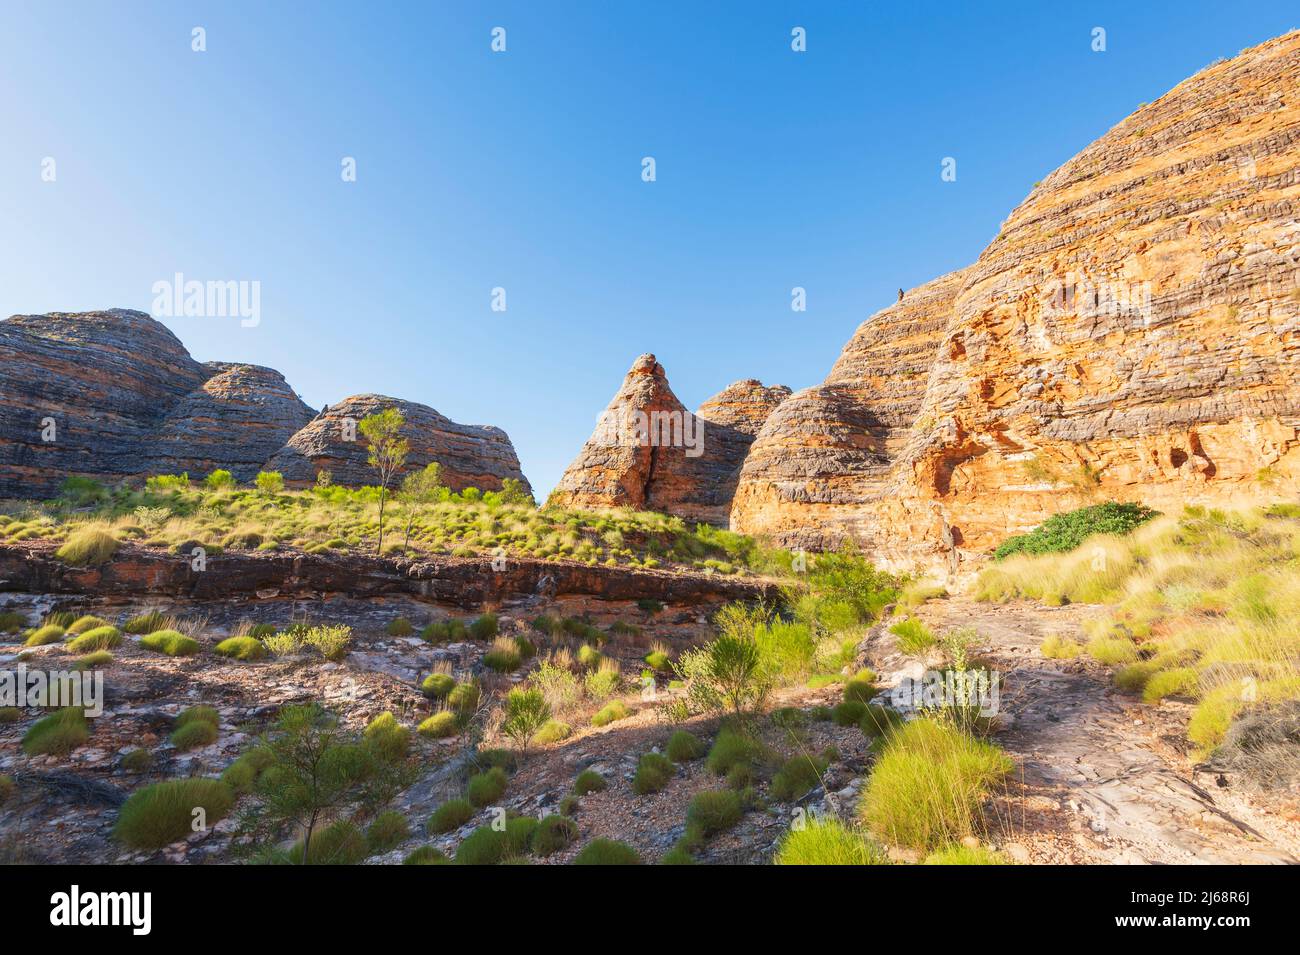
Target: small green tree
(313,770)
(386,454)
(728,673)
(270,482)
(526,712)
(419,487)
(512,492)
(219,480)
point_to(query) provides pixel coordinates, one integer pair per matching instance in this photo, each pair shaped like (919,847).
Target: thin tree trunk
(383,493)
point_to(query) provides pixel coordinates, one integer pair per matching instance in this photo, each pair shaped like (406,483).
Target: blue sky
(522,170)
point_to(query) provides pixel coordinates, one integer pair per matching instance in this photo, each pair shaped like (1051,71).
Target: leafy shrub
(219,480)
(57,734)
(914,637)
(828,841)
(607,852)
(170,642)
(797,776)
(483,789)
(438,685)
(439,725)
(611,712)
(713,811)
(389,739)
(483,846)
(387,831)
(484,628)
(728,673)
(451,815)
(100,638)
(270,482)
(43,635)
(589,781)
(426,855)
(929,785)
(964,855)
(1066,531)
(526,712)
(684,746)
(652,773)
(145,623)
(330,642)
(163,813)
(88,547)
(241,648)
(553,833)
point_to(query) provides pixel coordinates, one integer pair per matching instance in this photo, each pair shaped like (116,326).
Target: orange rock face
(1131,334)
(649,452)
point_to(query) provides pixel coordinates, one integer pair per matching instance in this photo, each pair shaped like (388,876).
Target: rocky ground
(1103,778)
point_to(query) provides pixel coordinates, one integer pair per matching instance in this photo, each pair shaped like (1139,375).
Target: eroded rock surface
(648,452)
(471,455)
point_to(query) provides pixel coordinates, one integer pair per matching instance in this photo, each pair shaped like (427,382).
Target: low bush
(452,814)
(964,855)
(589,781)
(12,621)
(241,648)
(387,831)
(929,785)
(797,776)
(399,627)
(170,642)
(607,852)
(483,789)
(611,712)
(684,746)
(145,623)
(163,813)
(828,841)
(880,721)
(484,628)
(914,637)
(464,697)
(731,748)
(57,734)
(553,833)
(387,738)
(43,635)
(553,731)
(340,843)
(861,687)
(713,811)
(848,713)
(438,685)
(653,772)
(98,638)
(1066,531)
(483,846)
(1180,681)
(87,547)
(427,855)
(242,775)
(440,725)
(137,761)
(504,655)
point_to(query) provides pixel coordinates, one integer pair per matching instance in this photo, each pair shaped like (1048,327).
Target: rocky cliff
(114,395)
(470,455)
(648,452)
(1130,334)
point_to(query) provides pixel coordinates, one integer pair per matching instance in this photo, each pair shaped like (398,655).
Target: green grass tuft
(607,852)
(170,642)
(163,813)
(828,841)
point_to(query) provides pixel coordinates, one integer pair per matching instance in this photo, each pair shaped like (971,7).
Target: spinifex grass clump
(57,734)
(164,813)
(241,648)
(170,642)
(43,635)
(195,727)
(451,815)
(88,547)
(930,784)
(828,841)
(653,772)
(607,852)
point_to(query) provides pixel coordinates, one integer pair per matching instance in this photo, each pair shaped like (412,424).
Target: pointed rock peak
(647,364)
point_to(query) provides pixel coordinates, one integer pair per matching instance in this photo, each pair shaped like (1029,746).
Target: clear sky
(522,170)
